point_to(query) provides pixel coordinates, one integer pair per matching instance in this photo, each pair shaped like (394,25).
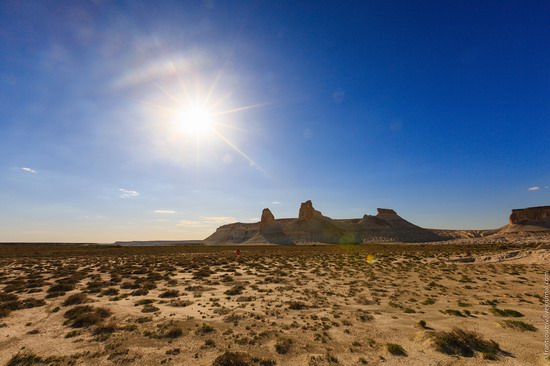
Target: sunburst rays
(195,116)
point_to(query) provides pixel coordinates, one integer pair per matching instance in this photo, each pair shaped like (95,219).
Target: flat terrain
(299,305)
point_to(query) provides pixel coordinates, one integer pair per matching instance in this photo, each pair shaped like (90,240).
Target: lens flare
(195,120)
(191,110)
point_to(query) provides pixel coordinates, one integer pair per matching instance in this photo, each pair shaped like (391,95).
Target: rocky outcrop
(266,220)
(307,211)
(386,226)
(530,215)
(531,219)
(236,233)
(311,227)
(386,212)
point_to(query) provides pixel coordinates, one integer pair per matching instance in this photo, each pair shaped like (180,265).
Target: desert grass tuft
(396,349)
(518,325)
(283,345)
(506,312)
(233,359)
(465,343)
(76,299)
(84,316)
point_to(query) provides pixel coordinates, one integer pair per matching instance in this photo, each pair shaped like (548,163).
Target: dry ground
(301,305)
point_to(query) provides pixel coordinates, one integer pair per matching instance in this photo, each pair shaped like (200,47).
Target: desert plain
(462,302)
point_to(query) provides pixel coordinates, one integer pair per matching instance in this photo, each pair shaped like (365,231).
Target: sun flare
(199,122)
(195,120)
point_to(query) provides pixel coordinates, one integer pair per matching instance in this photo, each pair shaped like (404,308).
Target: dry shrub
(232,359)
(76,299)
(465,343)
(283,345)
(84,316)
(169,294)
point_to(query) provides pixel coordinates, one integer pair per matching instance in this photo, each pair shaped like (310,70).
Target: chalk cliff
(529,219)
(312,226)
(530,215)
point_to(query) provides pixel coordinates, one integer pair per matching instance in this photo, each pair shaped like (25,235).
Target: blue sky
(438,109)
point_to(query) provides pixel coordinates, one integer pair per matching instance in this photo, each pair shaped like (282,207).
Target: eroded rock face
(386,212)
(267,219)
(312,227)
(307,211)
(531,215)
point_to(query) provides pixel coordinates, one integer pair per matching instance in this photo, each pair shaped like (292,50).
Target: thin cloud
(535,188)
(161,68)
(217,219)
(165,212)
(271,203)
(28,170)
(126,193)
(191,223)
(208,221)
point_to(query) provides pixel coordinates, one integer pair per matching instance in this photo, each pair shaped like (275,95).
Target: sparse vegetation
(29,358)
(169,294)
(283,345)
(327,359)
(148,308)
(506,312)
(296,305)
(76,299)
(465,343)
(232,359)
(396,349)
(235,290)
(73,333)
(429,301)
(168,330)
(84,316)
(277,299)
(454,312)
(204,329)
(519,325)
(180,303)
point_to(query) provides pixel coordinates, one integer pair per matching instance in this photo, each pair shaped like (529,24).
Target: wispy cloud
(161,68)
(165,212)
(208,221)
(126,193)
(218,219)
(535,188)
(271,203)
(192,223)
(28,170)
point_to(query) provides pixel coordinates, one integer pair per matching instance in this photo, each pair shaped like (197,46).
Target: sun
(195,120)
(200,119)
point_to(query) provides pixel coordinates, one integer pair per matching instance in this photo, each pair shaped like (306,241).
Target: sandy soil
(301,305)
